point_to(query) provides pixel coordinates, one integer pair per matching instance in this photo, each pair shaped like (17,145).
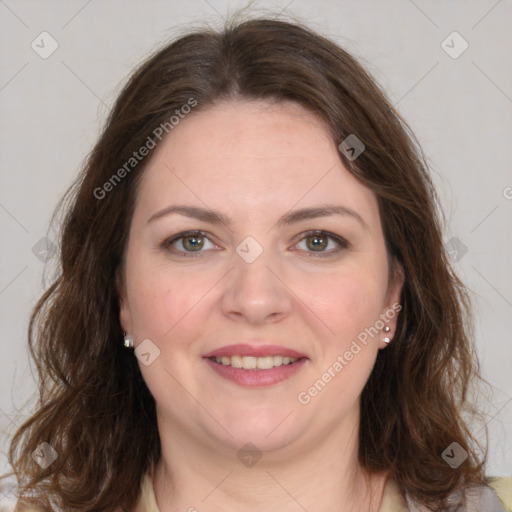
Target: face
(313,286)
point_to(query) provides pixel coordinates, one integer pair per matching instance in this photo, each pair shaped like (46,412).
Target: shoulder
(497,497)
(503,488)
(147,500)
(145,503)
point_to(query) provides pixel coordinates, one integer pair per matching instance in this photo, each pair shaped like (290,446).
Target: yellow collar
(392,500)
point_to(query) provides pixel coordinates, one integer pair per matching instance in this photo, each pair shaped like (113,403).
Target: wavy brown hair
(94,408)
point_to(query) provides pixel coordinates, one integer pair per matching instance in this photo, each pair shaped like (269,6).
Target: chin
(267,429)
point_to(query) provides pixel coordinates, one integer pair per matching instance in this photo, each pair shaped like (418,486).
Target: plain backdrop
(457,100)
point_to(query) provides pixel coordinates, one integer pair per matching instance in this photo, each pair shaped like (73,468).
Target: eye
(318,241)
(190,242)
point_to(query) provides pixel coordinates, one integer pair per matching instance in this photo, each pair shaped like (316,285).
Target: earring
(128,340)
(386,339)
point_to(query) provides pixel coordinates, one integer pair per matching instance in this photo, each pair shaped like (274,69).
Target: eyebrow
(293,217)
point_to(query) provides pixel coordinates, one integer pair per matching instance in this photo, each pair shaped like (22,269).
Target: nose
(255,293)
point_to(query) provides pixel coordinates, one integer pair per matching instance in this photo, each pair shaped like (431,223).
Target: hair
(94,407)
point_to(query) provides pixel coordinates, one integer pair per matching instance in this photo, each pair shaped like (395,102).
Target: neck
(325,475)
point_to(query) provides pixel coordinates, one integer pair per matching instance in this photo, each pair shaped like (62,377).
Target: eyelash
(342,243)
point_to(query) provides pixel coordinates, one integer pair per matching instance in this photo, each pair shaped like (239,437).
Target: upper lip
(242,349)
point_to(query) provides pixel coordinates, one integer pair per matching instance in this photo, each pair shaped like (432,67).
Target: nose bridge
(254,290)
(253,264)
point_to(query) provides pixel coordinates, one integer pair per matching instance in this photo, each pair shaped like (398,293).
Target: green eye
(319,241)
(191,241)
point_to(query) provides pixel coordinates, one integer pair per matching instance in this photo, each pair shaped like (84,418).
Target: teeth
(253,363)
(265,363)
(236,361)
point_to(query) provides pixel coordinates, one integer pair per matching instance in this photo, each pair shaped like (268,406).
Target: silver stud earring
(128,340)
(386,339)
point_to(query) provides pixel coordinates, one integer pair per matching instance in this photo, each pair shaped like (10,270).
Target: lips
(254,351)
(255,366)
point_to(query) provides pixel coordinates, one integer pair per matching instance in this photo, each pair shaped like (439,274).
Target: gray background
(460,108)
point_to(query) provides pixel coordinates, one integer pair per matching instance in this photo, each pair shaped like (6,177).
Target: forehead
(249,159)
(247,129)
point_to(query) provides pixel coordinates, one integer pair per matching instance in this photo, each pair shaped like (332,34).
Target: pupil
(316,244)
(196,242)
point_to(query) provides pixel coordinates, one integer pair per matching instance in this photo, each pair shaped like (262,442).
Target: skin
(254,162)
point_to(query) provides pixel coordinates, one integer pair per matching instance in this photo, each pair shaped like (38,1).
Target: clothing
(495,499)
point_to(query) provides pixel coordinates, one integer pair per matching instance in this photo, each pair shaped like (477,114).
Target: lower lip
(256,378)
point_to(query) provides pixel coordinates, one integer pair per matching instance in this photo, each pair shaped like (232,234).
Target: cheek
(348,302)
(153,304)
(162,302)
(351,307)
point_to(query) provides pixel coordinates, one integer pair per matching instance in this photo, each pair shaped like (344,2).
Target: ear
(124,308)
(125,315)
(392,305)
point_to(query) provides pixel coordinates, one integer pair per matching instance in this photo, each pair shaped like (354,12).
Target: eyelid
(343,244)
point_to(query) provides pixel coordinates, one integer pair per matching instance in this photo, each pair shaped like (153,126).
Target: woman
(255,309)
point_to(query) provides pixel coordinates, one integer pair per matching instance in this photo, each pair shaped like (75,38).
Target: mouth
(255,364)
(256,369)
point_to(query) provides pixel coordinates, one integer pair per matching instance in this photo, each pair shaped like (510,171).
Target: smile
(255,372)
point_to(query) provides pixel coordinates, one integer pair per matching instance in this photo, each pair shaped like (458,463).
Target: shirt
(497,498)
